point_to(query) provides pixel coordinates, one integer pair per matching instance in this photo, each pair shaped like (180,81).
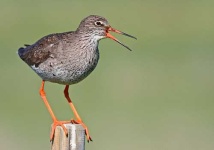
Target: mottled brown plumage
(40,51)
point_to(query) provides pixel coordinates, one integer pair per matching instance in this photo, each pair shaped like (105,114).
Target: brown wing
(40,51)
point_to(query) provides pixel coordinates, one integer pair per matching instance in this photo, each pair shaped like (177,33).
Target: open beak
(120,32)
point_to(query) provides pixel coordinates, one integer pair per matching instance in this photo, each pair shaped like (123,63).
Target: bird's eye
(98,23)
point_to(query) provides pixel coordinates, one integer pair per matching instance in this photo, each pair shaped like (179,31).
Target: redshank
(67,58)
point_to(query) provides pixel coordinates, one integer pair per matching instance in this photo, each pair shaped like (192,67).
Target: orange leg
(79,120)
(55,121)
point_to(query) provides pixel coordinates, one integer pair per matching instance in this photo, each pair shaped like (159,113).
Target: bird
(67,58)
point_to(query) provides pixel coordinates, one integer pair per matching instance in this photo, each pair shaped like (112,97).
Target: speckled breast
(69,70)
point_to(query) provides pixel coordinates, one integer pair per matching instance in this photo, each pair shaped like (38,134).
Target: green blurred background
(157,97)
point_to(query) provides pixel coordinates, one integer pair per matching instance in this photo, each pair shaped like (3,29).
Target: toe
(54,125)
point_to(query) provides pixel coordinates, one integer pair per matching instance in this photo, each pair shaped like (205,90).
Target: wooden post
(74,141)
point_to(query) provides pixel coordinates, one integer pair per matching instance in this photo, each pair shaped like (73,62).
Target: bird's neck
(88,42)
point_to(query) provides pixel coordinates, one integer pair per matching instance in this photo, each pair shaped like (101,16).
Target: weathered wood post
(74,141)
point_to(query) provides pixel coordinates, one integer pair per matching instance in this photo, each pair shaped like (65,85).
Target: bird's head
(98,28)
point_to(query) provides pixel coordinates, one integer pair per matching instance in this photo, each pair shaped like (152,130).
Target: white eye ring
(98,23)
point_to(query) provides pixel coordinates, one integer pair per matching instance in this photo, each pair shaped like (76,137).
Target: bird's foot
(85,127)
(58,123)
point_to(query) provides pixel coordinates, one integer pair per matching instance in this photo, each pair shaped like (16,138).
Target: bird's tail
(22,50)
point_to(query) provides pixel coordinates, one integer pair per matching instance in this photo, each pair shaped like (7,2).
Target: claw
(55,124)
(86,129)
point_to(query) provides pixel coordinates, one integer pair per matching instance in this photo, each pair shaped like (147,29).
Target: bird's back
(38,52)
